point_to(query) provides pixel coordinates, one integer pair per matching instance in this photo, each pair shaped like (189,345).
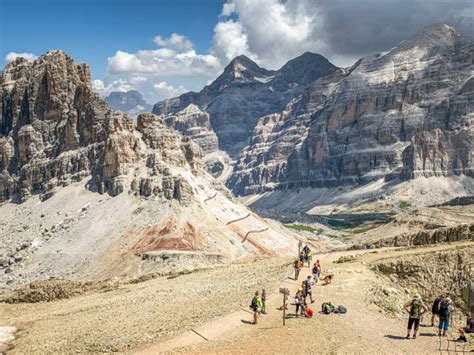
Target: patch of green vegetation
(338,224)
(215,168)
(404,205)
(301,228)
(362,229)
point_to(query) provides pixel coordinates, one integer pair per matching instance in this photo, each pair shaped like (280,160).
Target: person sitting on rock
(469,328)
(415,309)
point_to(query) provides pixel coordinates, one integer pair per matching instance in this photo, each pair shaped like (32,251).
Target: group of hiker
(306,256)
(302,294)
(442,309)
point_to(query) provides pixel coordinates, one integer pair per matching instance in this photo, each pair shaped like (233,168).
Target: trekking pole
(284,308)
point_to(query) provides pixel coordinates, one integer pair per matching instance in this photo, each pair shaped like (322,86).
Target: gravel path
(137,314)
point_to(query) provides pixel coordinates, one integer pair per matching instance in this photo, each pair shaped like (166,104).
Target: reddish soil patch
(169,235)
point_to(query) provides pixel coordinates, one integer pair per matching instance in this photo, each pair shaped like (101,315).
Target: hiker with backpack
(435,309)
(256,306)
(315,274)
(445,310)
(307,289)
(415,309)
(318,265)
(264,301)
(297,264)
(309,256)
(299,302)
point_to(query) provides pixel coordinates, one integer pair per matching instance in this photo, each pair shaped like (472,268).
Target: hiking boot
(414,336)
(408,336)
(462,339)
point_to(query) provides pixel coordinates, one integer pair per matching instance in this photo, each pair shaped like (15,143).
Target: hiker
(445,309)
(315,274)
(318,264)
(415,309)
(469,328)
(299,301)
(309,256)
(302,257)
(435,309)
(264,301)
(308,291)
(297,266)
(256,306)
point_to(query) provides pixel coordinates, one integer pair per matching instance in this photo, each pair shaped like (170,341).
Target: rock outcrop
(196,124)
(243,93)
(55,130)
(130,102)
(405,113)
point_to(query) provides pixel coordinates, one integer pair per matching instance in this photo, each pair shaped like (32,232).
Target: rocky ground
(365,328)
(135,314)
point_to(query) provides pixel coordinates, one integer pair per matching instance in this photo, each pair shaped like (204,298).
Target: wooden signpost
(285,292)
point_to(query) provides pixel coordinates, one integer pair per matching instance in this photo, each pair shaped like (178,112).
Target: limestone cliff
(55,130)
(405,113)
(243,93)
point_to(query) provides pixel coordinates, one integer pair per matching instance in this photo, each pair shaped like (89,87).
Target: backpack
(297,264)
(340,309)
(326,308)
(308,312)
(253,305)
(444,309)
(415,309)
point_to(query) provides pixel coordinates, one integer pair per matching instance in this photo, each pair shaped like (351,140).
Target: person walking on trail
(302,257)
(435,309)
(309,256)
(297,266)
(445,310)
(469,328)
(315,274)
(256,306)
(318,265)
(264,301)
(307,289)
(415,309)
(299,302)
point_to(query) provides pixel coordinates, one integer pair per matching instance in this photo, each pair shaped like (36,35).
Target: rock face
(196,124)
(406,113)
(243,93)
(55,130)
(130,102)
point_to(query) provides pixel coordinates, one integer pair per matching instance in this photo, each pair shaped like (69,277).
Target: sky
(166,47)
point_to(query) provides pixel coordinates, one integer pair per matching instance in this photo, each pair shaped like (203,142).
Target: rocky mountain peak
(130,102)
(55,130)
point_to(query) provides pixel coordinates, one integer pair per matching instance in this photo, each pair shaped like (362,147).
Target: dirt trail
(363,329)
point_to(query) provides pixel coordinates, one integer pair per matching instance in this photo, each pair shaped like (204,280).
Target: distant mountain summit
(130,102)
(244,92)
(401,114)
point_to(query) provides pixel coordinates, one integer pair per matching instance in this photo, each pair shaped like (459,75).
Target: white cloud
(168,91)
(175,41)
(10,57)
(270,31)
(161,72)
(230,41)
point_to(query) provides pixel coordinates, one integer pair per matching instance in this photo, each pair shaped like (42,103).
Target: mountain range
(396,115)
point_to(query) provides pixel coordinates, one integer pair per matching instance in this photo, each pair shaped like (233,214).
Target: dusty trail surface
(363,329)
(135,314)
